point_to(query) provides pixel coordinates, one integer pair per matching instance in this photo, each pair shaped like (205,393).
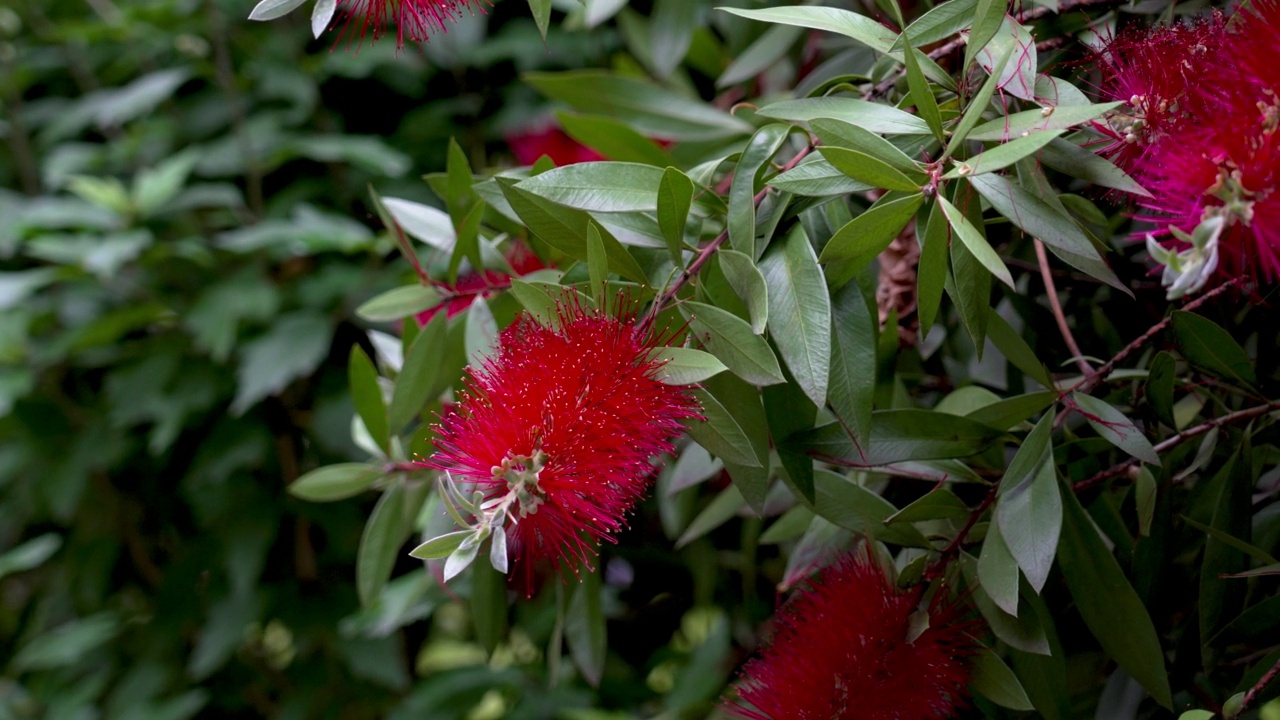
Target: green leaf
(1116,428)
(441,545)
(719,511)
(800,312)
(675,197)
(1219,599)
(748,284)
(335,482)
(1145,495)
(943,21)
(852,386)
(1196,715)
(1084,164)
(729,338)
(788,411)
(293,347)
(876,117)
(400,303)
(937,504)
(613,139)
(992,679)
(1161,376)
(1234,542)
(969,283)
(384,533)
(652,110)
(1039,219)
(538,300)
(686,366)
(597,264)
(850,24)
(1011,411)
(998,571)
(920,93)
(366,393)
(565,229)
(931,273)
(272,9)
(902,435)
(158,186)
(1029,512)
(742,402)
(815,177)
(764,144)
(1107,602)
(599,186)
(988,16)
(30,554)
(489,603)
(430,225)
(1002,156)
(976,107)
(1210,348)
(67,644)
(853,507)
(871,170)
(720,433)
(760,55)
(1018,80)
(975,241)
(671,27)
(1015,349)
(841,134)
(1026,122)
(866,236)
(541,10)
(420,375)
(584,628)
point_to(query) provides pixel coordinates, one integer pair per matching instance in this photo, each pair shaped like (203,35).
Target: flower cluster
(1199,134)
(855,646)
(557,432)
(415,20)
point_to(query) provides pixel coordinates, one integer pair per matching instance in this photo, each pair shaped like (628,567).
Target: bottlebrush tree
(924,351)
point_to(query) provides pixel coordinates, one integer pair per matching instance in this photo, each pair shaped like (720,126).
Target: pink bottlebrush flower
(854,646)
(1165,75)
(559,429)
(530,144)
(415,20)
(459,295)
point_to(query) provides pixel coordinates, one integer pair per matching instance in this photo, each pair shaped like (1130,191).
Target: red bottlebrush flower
(415,20)
(530,144)
(1166,77)
(855,646)
(558,429)
(460,294)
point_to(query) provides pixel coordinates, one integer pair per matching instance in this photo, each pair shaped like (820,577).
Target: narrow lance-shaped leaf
(384,533)
(867,235)
(852,387)
(729,338)
(1107,602)
(675,197)
(1212,349)
(926,104)
(800,315)
(597,264)
(1115,427)
(975,241)
(1003,155)
(742,210)
(366,393)
(748,284)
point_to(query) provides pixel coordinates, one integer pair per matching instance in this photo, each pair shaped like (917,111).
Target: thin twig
(1178,439)
(1262,683)
(1042,257)
(953,548)
(1091,382)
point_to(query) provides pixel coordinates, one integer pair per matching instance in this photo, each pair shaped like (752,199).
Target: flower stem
(1042,257)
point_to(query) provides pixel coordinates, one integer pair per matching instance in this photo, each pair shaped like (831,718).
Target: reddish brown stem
(1042,258)
(952,550)
(1178,439)
(1261,685)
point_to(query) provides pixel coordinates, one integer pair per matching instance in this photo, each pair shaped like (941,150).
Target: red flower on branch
(459,294)
(854,646)
(558,430)
(415,20)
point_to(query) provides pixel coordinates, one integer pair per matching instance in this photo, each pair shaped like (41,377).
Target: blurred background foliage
(185,232)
